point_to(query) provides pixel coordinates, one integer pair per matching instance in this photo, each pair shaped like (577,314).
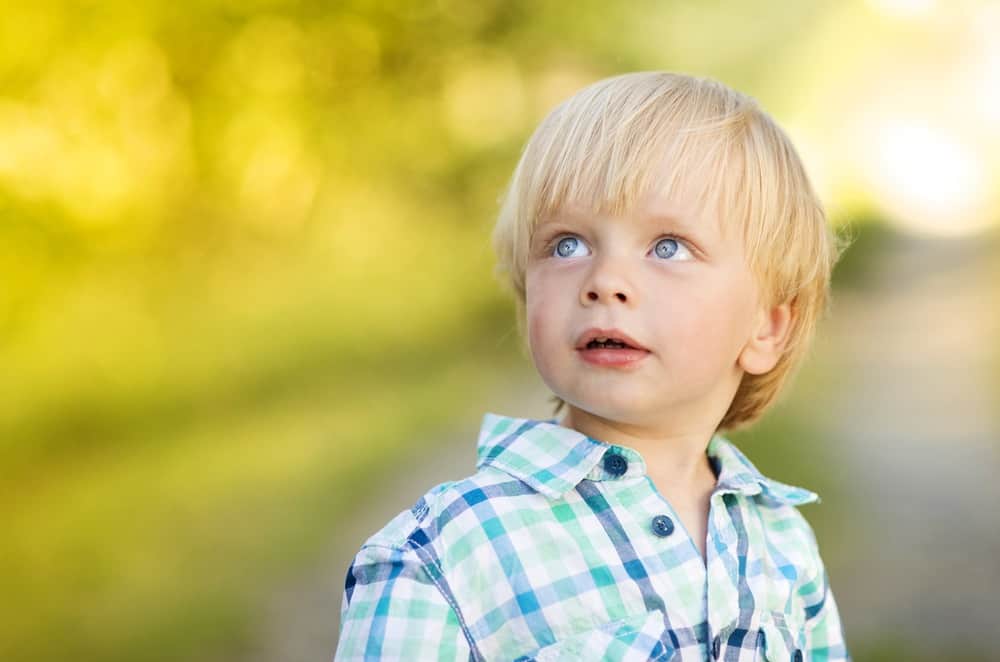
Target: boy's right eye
(566,246)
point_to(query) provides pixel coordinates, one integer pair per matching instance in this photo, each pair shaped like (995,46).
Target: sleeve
(392,610)
(824,633)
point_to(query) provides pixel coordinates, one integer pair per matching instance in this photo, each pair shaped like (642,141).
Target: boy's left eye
(668,247)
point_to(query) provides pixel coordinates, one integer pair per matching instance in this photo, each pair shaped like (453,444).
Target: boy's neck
(674,457)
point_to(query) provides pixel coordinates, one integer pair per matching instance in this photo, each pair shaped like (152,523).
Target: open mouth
(610,347)
(608,344)
(611,352)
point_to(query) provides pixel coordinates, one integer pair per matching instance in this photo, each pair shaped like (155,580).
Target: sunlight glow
(929,179)
(903,8)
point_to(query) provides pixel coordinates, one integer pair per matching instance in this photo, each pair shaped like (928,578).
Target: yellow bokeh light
(930,179)
(484,99)
(903,8)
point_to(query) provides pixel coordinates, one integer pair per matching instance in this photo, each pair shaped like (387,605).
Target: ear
(770,333)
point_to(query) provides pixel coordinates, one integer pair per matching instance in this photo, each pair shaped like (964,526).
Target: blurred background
(247,312)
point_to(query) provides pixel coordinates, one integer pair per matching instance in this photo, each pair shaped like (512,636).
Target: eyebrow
(679,222)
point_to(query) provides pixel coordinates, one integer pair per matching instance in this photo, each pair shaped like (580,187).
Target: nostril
(620,296)
(592,295)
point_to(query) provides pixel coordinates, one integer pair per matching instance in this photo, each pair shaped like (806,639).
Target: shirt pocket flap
(634,638)
(783,640)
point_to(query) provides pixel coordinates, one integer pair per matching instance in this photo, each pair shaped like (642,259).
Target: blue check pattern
(560,547)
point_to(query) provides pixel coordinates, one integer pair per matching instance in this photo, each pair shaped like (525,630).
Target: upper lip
(613,334)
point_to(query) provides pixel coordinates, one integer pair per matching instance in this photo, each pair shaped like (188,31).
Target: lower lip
(613,357)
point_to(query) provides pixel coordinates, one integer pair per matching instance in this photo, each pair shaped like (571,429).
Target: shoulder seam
(429,563)
(418,512)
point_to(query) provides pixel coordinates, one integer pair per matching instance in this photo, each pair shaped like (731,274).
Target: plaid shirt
(560,547)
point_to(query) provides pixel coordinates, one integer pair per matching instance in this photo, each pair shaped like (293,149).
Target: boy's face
(678,287)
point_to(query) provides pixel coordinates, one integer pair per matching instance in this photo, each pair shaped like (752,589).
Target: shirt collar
(553,459)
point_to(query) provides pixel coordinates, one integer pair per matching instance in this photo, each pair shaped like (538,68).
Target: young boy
(670,261)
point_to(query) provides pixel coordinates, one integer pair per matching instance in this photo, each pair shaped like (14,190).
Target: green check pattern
(555,549)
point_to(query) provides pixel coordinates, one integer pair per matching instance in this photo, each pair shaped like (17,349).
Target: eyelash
(554,241)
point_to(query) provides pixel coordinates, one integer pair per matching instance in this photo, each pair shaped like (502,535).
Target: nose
(607,282)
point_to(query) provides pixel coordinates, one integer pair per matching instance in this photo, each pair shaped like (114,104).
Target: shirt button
(797,656)
(615,464)
(716,648)
(663,526)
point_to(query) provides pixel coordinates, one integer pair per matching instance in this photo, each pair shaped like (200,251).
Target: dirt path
(922,448)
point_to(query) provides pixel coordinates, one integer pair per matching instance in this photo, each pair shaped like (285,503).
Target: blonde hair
(600,149)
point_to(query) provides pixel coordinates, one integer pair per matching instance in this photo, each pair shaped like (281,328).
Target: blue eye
(668,247)
(566,246)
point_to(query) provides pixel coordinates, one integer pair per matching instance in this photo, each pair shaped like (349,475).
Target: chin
(620,409)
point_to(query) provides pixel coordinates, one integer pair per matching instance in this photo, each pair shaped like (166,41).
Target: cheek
(535,321)
(543,320)
(543,326)
(535,324)
(680,314)
(541,345)
(538,303)
(725,326)
(697,325)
